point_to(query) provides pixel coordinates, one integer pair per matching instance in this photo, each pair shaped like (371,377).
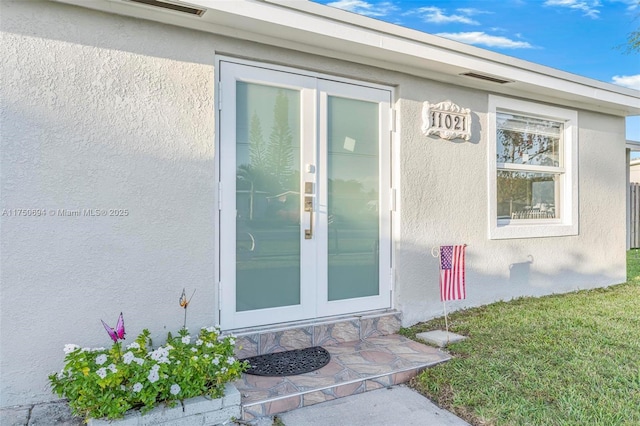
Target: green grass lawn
(571,359)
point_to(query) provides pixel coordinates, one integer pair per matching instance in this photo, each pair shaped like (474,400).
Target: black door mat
(289,363)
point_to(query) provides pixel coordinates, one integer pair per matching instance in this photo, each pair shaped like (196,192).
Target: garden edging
(201,410)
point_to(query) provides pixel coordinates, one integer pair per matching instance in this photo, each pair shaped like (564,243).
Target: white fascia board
(314,28)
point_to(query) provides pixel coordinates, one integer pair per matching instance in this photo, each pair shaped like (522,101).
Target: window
(532,170)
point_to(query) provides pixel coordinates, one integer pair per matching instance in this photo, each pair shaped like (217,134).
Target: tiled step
(355,367)
(318,332)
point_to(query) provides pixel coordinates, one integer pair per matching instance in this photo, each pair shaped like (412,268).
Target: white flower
(128,357)
(113,368)
(195,358)
(70,347)
(123,387)
(175,389)
(194,350)
(206,355)
(215,361)
(160,355)
(232,341)
(138,361)
(102,372)
(134,345)
(231,360)
(209,345)
(186,339)
(153,376)
(169,347)
(101,359)
(198,342)
(137,387)
(155,368)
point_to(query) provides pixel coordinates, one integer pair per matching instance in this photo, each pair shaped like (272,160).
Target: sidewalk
(45,414)
(397,405)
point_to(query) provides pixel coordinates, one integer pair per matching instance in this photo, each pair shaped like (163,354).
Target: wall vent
(178,7)
(487,77)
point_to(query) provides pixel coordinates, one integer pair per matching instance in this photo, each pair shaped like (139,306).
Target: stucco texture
(105,112)
(444,201)
(99,112)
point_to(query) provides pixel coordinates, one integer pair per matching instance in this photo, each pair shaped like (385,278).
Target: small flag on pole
(452,286)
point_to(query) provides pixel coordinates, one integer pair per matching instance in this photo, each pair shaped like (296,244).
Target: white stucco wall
(444,201)
(99,112)
(105,112)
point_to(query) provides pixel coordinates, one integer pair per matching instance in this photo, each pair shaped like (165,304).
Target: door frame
(226,291)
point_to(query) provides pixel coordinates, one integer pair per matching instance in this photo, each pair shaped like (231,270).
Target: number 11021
(445,120)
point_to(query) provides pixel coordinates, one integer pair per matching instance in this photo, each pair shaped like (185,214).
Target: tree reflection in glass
(529,166)
(267,197)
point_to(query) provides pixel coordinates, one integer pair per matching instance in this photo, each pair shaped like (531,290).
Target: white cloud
(470,11)
(437,15)
(631,81)
(481,38)
(365,8)
(589,8)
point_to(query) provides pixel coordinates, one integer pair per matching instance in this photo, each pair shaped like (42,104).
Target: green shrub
(107,382)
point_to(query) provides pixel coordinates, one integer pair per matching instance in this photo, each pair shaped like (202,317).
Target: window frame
(567,222)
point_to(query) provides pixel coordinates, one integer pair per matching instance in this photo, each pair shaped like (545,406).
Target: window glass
(528,140)
(528,166)
(533,169)
(523,195)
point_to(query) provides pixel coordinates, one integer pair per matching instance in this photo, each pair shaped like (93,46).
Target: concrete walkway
(397,405)
(46,414)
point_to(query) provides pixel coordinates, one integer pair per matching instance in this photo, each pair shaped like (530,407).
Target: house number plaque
(447,120)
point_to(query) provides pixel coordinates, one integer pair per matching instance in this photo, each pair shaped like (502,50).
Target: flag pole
(446,320)
(444,302)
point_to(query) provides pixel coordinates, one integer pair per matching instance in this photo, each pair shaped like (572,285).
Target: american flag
(452,285)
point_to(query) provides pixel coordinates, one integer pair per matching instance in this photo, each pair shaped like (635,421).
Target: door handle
(308,207)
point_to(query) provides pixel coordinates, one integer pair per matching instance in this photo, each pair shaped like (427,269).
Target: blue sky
(585,37)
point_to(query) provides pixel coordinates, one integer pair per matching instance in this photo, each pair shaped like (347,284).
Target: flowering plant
(107,382)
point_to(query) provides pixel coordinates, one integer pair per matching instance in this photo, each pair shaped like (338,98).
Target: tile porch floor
(355,367)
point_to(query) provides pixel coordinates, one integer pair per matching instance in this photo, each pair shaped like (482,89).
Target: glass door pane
(353,198)
(267,196)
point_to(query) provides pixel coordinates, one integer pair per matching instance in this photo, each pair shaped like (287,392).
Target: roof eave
(319,29)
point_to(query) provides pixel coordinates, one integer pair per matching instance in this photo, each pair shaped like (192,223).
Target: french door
(304,166)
